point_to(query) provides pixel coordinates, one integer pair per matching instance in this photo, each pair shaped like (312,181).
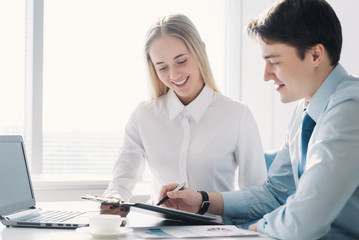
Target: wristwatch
(205,203)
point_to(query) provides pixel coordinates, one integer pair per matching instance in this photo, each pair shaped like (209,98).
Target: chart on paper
(192,231)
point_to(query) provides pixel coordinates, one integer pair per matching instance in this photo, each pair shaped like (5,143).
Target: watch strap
(205,203)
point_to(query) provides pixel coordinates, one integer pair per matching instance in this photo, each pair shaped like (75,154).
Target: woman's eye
(182,62)
(162,69)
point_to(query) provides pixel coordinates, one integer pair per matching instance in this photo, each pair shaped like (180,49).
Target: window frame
(33,83)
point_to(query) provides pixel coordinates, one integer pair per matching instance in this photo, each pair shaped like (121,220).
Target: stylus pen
(180,187)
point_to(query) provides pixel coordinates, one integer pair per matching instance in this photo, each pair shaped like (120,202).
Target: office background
(72,71)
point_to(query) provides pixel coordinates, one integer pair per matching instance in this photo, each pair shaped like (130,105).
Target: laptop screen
(15,187)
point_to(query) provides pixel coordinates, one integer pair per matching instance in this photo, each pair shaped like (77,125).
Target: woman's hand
(116,210)
(185,200)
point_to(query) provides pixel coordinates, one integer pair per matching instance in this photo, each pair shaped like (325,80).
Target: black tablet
(169,213)
(164,212)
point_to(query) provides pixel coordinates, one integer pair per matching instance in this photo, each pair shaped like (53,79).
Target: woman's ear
(318,54)
(203,46)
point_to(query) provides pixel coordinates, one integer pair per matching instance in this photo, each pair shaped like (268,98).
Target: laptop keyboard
(50,216)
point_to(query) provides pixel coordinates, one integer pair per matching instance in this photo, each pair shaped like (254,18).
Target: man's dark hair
(301,24)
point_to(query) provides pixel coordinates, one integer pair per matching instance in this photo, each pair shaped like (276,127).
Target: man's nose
(268,72)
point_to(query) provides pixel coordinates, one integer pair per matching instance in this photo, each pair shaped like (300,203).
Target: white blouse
(202,144)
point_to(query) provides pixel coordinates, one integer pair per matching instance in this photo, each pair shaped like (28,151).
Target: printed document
(192,231)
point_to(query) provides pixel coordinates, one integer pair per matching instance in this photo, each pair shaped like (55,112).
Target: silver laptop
(17,200)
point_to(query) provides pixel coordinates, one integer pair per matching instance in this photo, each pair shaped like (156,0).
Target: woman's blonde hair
(179,26)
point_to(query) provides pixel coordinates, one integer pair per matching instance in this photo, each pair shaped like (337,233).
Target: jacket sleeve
(251,204)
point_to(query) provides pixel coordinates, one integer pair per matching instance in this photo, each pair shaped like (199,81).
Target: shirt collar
(196,108)
(322,95)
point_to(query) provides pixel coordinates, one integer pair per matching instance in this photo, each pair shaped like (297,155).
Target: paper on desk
(192,231)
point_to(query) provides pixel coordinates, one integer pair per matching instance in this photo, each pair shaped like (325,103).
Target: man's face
(292,76)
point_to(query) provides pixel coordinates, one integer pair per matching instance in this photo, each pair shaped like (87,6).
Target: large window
(84,71)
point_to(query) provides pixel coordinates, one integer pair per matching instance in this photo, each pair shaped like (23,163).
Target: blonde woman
(188,132)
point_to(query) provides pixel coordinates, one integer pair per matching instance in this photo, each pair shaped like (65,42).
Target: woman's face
(176,67)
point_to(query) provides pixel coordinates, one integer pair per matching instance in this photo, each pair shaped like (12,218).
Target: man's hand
(185,200)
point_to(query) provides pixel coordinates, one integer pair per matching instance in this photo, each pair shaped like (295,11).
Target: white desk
(135,220)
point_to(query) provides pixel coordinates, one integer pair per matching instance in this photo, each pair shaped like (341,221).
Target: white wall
(347,12)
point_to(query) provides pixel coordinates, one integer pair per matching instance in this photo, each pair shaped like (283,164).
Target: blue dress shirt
(324,203)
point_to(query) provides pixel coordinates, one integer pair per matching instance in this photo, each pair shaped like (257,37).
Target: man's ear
(318,54)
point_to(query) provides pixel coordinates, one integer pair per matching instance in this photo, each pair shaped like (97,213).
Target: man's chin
(285,99)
